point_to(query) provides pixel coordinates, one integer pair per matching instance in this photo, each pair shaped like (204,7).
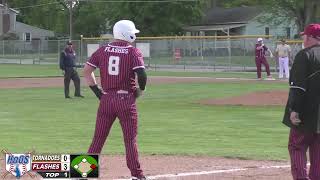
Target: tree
(153,20)
(303,12)
(93,18)
(49,16)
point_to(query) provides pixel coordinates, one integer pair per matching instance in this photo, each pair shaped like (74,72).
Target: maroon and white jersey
(261,53)
(117,62)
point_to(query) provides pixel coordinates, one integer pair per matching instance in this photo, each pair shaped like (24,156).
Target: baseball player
(261,50)
(283,51)
(302,113)
(118,62)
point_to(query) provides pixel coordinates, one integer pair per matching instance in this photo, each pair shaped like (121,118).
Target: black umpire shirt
(304,93)
(67,59)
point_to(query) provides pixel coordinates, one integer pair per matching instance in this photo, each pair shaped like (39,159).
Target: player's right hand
(138,92)
(294,117)
(97,91)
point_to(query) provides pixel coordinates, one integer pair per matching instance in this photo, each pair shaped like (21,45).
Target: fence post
(81,43)
(39,50)
(229,51)
(3,47)
(149,63)
(58,41)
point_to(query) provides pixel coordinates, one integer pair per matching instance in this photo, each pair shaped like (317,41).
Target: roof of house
(229,15)
(22,27)
(17,12)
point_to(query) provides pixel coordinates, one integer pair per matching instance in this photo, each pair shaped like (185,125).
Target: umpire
(302,112)
(68,65)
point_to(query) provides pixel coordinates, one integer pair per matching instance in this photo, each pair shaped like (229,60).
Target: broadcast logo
(18,164)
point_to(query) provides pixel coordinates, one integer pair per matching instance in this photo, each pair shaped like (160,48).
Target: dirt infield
(183,167)
(266,98)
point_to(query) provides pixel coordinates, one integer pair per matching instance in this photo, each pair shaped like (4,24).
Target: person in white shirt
(283,51)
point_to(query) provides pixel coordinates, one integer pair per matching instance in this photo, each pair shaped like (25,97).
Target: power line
(38,5)
(112,1)
(138,1)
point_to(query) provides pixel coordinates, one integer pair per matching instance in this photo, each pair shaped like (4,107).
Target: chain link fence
(174,53)
(34,52)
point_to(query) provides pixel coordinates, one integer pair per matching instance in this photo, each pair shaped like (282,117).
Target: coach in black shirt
(68,65)
(302,113)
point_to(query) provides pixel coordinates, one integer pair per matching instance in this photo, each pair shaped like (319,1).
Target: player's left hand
(294,117)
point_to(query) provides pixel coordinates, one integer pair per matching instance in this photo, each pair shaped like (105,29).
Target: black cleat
(67,97)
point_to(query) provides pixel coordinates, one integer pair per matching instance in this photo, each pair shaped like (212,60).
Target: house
(25,32)
(7,19)
(28,33)
(239,21)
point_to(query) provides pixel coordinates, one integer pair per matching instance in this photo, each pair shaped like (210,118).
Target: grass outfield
(247,61)
(171,122)
(160,60)
(14,70)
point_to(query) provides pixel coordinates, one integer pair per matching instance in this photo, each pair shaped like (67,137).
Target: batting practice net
(205,53)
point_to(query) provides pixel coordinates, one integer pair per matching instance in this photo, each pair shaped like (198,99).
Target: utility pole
(70,18)
(214,3)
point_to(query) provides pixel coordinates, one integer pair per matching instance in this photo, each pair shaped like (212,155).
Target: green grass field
(242,61)
(171,120)
(239,61)
(14,70)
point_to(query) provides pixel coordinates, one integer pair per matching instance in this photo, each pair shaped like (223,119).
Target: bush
(9,36)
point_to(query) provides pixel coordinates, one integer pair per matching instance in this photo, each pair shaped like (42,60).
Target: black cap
(69,42)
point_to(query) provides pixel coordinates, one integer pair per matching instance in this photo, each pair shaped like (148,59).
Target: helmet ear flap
(125,30)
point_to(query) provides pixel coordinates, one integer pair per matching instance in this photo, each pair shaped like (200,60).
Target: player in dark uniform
(302,113)
(118,62)
(68,65)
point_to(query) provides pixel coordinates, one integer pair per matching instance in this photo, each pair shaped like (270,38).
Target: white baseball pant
(283,67)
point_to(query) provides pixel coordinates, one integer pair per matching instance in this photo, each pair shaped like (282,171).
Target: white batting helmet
(259,39)
(125,30)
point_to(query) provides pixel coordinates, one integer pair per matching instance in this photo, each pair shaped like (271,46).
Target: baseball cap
(69,42)
(312,30)
(259,39)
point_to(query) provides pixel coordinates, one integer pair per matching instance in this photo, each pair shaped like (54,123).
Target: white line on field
(212,172)
(190,77)
(184,77)
(216,78)
(244,79)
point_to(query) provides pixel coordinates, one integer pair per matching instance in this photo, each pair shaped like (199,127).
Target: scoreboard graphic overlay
(65,166)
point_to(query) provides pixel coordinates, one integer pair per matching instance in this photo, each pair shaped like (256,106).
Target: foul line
(213,172)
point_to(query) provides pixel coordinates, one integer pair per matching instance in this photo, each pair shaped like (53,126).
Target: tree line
(93,18)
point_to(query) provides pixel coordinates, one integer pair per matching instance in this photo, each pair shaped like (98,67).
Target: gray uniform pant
(71,73)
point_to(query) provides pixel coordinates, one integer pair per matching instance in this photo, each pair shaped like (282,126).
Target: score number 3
(113,67)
